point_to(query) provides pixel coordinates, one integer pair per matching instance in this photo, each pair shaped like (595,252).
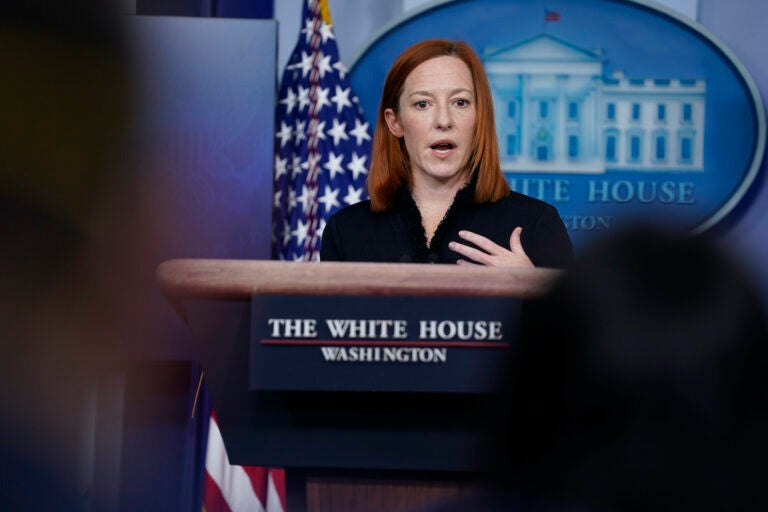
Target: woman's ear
(393,123)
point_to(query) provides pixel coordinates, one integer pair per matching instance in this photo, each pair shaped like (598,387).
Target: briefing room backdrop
(357,23)
(150,444)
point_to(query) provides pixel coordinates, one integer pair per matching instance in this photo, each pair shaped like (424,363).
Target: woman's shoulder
(354,212)
(517,203)
(517,197)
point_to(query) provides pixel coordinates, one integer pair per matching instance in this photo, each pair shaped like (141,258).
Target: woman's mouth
(443,147)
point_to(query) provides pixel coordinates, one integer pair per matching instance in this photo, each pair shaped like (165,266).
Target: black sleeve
(330,245)
(549,244)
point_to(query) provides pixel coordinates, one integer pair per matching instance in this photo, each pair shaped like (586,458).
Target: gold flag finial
(325,12)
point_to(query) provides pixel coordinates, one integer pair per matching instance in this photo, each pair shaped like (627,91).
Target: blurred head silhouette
(67,97)
(641,383)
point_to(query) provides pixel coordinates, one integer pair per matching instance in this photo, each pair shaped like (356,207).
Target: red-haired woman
(435,182)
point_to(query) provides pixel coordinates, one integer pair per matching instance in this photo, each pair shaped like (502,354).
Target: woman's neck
(433,200)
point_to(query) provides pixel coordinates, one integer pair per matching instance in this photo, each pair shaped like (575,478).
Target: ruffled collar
(404,203)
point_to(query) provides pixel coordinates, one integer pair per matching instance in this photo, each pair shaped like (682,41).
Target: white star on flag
(318,157)
(299,132)
(354,195)
(341,68)
(324,65)
(338,131)
(284,134)
(290,100)
(326,32)
(308,30)
(303,98)
(334,164)
(357,165)
(329,199)
(341,99)
(360,132)
(295,166)
(322,99)
(301,232)
(281,166)
(306,198)
(305,64)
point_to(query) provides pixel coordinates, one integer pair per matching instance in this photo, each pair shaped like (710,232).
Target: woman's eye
(421,104)
(461,102)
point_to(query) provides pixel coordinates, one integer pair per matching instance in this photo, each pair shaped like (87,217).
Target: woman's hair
(390,165)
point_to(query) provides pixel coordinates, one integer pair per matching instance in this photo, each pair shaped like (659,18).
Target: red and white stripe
(229,488)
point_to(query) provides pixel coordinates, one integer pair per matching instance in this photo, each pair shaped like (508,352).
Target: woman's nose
(443,118)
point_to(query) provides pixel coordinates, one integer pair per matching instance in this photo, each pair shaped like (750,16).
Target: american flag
(322,140)
(233,488)
(551,15)
(322,153)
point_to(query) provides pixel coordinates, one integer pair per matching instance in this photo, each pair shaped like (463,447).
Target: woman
(436,187)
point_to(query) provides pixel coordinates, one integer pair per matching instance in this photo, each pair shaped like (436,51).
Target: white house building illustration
(556,111)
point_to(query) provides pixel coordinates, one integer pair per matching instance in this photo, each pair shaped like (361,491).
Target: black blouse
(355,233)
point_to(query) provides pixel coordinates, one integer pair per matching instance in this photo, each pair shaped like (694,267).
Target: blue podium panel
(377,430)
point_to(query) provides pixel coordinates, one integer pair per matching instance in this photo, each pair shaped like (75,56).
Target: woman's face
(436,117)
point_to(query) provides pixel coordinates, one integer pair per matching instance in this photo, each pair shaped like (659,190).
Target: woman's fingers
(471,253)
(490,253)
(515,245)
(482,242)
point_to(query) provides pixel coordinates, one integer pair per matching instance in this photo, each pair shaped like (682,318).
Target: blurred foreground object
(66,298)
(649,390)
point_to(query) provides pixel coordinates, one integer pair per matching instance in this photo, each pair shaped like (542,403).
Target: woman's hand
(494,255)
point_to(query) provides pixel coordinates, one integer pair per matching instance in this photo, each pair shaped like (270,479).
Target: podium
(366,449)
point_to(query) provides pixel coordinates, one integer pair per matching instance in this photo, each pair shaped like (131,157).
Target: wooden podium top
(241,279)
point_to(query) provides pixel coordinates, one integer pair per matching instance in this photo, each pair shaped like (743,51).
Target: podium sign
(373,343)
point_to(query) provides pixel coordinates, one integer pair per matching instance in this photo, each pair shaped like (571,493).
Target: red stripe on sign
(457,344)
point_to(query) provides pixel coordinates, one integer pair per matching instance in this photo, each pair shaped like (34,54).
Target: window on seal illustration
(610,111)
(685,143)
(611,146)
(660,146)
(573,111)
(543,109)
(661,112)
(542,148)
(686,114)
(512,144)
(573,146)
(512,109)
(635,111)
(635,143)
